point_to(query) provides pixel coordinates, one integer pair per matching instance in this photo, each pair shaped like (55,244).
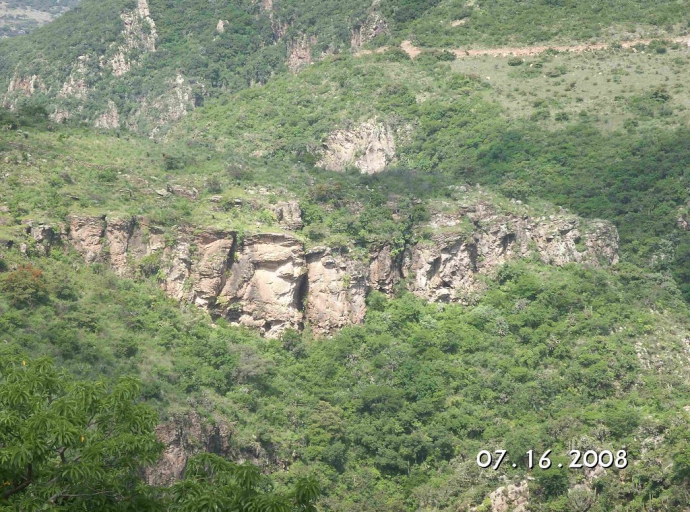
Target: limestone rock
(110,119)
(444,269)
(384,273)
(189,193)
(177,270)
(86,235)
(196,266)
(76,84)
(184,436)
(25,85)
(211,263)
(117,234)
(369,147)
(266,282)
(337,289)
(441,271)
(511,498)
(139,35)
(374,25)
(42,233)
(161,110)
(299,52)
(289,214)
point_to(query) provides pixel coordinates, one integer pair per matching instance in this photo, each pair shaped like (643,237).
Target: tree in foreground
(212,483)
(67,444)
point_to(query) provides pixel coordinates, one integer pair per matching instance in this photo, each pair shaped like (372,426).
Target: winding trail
(526,51)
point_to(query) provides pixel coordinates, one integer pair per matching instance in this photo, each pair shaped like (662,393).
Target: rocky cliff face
(264,290)
(139,36)
(271,282)
(336,291)
(184,436)
(369,147)
(443,269)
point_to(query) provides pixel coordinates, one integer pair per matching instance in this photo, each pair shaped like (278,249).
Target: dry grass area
(606,86)
(19,20)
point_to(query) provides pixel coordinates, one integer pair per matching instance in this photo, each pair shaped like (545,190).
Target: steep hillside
(390,414)
(432,124)
(360,240)
(165,58)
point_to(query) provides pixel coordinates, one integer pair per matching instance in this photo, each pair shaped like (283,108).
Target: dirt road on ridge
(526,51)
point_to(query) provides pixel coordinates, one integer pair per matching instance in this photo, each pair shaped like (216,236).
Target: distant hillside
(142,65)
(19,17)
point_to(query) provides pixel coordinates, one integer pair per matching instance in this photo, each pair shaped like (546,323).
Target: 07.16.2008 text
(588,459)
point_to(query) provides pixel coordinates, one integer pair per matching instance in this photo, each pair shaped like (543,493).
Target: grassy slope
(494,23)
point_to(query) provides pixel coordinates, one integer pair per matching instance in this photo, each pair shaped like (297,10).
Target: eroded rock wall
(271,282)
(265,284)
(337,289)
(370,147)
(186,435)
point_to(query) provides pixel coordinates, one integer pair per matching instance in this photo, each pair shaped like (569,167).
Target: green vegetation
(74,445)
(633,177)
(390,414)
(70,444)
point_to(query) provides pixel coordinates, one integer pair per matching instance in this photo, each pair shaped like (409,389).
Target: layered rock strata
(271,282)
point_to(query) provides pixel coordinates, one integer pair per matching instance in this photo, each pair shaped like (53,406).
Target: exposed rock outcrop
(444,268)
(370,147)
(184,436)
(86,235)
(154,113)
(511,498)
(337,289)
(43,237)
(21,86)
(374,25)
(268,281)
(76,84)
(196,266)
(289,214)
(265,287)
(110,119)
(299,52)
(177,190)
(117,235)
(384,271)
(139,36)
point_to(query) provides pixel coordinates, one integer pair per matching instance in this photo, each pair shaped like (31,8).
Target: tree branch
(26,483)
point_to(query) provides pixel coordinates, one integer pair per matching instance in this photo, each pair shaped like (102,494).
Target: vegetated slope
(391,414)
(508,23)
(449,128)
(143,65)
(156,60)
